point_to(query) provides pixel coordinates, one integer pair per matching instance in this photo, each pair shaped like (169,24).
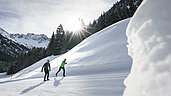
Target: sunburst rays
(81,33)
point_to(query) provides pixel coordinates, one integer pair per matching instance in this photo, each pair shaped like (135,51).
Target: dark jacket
(46,67)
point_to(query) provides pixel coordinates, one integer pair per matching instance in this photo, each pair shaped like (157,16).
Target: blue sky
(44,16)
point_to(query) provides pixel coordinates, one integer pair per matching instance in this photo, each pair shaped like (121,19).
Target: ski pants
(60,70)
(46,74)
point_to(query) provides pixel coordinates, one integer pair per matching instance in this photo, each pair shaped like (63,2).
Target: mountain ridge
(29,40)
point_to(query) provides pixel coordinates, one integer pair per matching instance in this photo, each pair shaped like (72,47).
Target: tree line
(119,11)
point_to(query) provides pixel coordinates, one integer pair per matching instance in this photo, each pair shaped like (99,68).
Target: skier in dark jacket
(62,67)
(47,68)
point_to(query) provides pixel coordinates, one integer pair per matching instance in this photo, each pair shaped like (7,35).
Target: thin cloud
(43,16)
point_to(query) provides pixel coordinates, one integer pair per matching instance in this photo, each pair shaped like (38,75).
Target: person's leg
(45,76)
(48,75)
(58,71)
(63,71)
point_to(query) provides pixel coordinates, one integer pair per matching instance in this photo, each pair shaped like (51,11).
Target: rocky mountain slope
(29,40)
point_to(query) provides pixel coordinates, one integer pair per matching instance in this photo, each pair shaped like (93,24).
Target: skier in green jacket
(62,67)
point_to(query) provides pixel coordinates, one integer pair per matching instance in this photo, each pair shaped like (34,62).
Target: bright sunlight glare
(73,24)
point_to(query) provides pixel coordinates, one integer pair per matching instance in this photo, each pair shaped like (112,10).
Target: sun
(73,25)
(77,28)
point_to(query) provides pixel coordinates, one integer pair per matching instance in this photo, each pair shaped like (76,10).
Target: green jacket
(63,63)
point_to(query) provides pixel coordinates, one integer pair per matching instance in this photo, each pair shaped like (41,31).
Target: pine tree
(50,48)
(83,32)
(60,44)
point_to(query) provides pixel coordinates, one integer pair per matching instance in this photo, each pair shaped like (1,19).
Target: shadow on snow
(57,82)
(31,88)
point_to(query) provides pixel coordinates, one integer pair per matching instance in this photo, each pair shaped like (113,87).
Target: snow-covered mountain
(9,47)
(9,50)
(95,67)
(29,40)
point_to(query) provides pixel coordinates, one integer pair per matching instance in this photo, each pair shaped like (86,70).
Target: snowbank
(149,38)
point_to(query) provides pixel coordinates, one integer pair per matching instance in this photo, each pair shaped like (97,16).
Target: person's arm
(42,68)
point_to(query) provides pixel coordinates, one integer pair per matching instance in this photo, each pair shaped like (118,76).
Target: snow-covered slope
(29,40)
(149,38)
(3,32)
(96,67)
